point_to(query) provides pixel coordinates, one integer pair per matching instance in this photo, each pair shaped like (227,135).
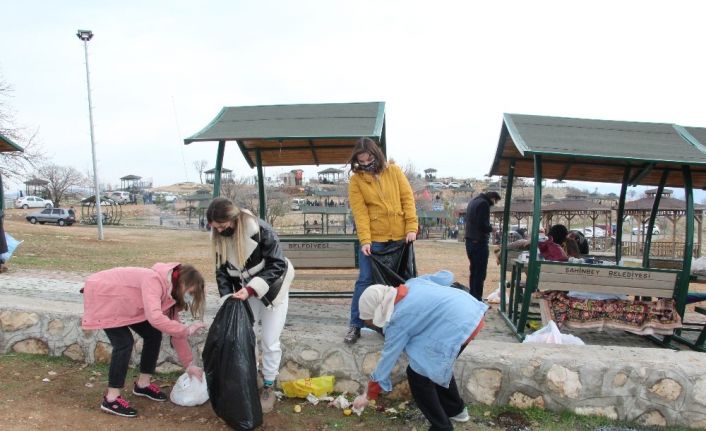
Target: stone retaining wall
(650,386)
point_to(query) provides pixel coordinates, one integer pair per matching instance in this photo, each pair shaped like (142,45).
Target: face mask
(370,167)
(189,299)
(229,231)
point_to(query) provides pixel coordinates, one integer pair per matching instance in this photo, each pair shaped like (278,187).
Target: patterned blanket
(639,317)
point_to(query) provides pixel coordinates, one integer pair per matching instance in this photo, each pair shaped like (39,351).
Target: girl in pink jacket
(146,300)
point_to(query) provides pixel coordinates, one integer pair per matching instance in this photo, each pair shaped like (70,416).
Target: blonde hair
(223,210)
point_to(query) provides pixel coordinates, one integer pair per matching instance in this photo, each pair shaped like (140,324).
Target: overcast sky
(447,71)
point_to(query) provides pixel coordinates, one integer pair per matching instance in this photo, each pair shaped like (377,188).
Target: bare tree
(246,196)
(14,165)
(61,179)
(200,166)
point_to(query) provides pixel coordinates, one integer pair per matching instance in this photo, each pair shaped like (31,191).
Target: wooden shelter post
(653,218)
(261,185)
(621,217)
(503,237)
(219,166)
(532,270)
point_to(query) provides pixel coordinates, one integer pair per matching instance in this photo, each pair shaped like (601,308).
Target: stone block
(55,327)
(619,380)
(349,386)
(369,362)
(333,363)
(667,388)
(652,418)
(102,353)
(11,321)
(309,355)
(523,401)
(32,346)
(484,384)
(293,371)
(609,412)
(74,352)
(563,381)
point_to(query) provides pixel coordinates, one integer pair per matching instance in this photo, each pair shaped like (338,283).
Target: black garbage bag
(230,366)
(395,264)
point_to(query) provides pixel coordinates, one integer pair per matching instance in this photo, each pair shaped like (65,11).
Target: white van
(120,197)
(297,203)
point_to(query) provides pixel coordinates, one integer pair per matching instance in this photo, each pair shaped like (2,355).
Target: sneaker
(152,392)
(118,407)
(352,335)
(267,399)
(461,417)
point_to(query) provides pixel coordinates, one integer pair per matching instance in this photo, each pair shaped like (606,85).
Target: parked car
(454,185)
(636,230)
(437,185)
(33,202)
(588,232)
(59,216)
(120,197)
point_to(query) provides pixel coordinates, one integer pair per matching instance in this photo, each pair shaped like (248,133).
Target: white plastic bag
(550,334)
(12,244)
(189,392)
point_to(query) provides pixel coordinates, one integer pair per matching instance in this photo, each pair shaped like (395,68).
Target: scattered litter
(96,373)
(326,398)
(297,408)
(347,412)
(312,399)
(402,406)
(358,411)
(46,380)
(391,411)
(93,379)
(89,385)
(341,402)
(52,373)
(279,395)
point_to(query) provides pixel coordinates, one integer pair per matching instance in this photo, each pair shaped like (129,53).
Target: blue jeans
(477,252)
(365,279)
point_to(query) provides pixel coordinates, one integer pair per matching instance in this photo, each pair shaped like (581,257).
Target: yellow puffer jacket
(383,207)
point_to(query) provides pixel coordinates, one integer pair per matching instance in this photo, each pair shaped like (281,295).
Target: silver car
(59,216)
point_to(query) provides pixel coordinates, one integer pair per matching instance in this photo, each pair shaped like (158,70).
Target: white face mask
(189,299)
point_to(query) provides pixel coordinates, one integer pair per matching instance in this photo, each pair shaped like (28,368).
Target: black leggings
(436,402)
(122,341)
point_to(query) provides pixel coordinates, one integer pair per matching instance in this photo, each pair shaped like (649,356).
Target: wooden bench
(638,284)
(316,258)
(605,279)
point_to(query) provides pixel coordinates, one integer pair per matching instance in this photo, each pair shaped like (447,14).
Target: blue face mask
(189,299)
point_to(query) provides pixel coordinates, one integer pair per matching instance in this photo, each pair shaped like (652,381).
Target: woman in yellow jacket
(384,212)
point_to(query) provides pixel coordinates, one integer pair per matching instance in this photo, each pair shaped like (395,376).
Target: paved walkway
(59,292)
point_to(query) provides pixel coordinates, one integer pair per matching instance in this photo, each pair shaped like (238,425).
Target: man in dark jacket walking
(478,229)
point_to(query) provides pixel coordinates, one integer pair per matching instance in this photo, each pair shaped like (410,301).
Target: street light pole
(85,36)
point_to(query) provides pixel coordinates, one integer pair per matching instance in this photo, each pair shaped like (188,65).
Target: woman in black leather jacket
(250,266)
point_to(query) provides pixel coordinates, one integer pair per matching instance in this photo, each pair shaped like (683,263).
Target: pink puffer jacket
(123,296)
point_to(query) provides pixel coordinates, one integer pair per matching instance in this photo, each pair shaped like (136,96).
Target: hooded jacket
(383,206)
(127,295)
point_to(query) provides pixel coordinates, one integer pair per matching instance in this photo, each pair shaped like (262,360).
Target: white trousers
(270,328)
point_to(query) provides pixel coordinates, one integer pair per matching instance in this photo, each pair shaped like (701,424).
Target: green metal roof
(306,134)
(6,145)
(600,150)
